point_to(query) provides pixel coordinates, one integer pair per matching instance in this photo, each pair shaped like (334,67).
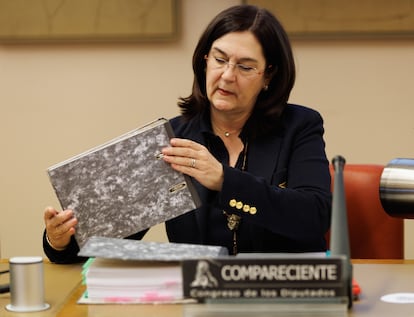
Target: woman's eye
(220,60)
(245,68)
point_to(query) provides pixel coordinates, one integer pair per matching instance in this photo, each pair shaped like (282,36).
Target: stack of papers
(131,271)
(120,281)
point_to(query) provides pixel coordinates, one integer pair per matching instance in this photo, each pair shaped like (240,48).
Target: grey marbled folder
(125,249)
(123,186)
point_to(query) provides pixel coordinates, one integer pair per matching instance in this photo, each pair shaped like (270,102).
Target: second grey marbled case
(123,186)
(138,250)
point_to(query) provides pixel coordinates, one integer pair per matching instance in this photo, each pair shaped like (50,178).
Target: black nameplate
(236,278)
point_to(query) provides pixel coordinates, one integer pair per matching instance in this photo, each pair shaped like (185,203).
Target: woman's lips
(224,92)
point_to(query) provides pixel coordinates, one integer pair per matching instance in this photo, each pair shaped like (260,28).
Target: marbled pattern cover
(122,187)
(125,249)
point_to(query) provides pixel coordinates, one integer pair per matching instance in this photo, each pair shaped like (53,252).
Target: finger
(183,152)
(50,212)
(184,162)
(177,142)
(66,215)
(62,229)
(193,163)
(60,218)
(188,163)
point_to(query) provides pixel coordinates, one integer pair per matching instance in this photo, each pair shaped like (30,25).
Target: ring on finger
(193,163)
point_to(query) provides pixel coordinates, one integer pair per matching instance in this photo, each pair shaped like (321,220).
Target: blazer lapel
(262,158)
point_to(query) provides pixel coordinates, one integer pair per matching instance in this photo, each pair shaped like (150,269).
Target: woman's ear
(269,73)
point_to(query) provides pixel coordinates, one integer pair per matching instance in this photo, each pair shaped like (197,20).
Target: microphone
(397,188)
(339,239)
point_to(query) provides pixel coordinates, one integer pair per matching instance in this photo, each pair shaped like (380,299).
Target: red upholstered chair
(373,234)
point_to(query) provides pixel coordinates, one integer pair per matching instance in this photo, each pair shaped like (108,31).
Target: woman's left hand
(195,160)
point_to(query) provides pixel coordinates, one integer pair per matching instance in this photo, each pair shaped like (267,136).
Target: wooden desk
(378,278)
(63,289)
(60,280)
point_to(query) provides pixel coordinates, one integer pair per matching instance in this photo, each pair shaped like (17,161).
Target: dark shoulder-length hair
(280,66)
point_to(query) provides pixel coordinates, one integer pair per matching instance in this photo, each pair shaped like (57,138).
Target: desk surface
(63,289)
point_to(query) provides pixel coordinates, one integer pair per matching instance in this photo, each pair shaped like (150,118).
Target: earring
(266,87)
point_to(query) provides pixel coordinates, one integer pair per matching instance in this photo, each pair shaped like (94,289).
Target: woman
(258,163)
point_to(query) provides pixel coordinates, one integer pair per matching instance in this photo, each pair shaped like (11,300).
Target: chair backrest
(373,234)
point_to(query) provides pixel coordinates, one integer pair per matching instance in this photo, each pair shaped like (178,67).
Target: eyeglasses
(220,63)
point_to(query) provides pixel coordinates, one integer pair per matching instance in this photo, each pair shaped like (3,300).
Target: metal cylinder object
(26,285)
(397,188)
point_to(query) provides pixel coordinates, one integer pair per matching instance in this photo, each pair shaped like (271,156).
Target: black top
(282,196)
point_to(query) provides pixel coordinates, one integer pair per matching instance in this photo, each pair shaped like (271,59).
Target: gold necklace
(226,133)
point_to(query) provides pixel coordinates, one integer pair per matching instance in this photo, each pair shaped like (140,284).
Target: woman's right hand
(60,226)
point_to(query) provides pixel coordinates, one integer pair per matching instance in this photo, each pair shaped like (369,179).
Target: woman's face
(235,73)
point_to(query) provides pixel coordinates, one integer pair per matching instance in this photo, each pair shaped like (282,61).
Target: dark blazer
(284,199)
